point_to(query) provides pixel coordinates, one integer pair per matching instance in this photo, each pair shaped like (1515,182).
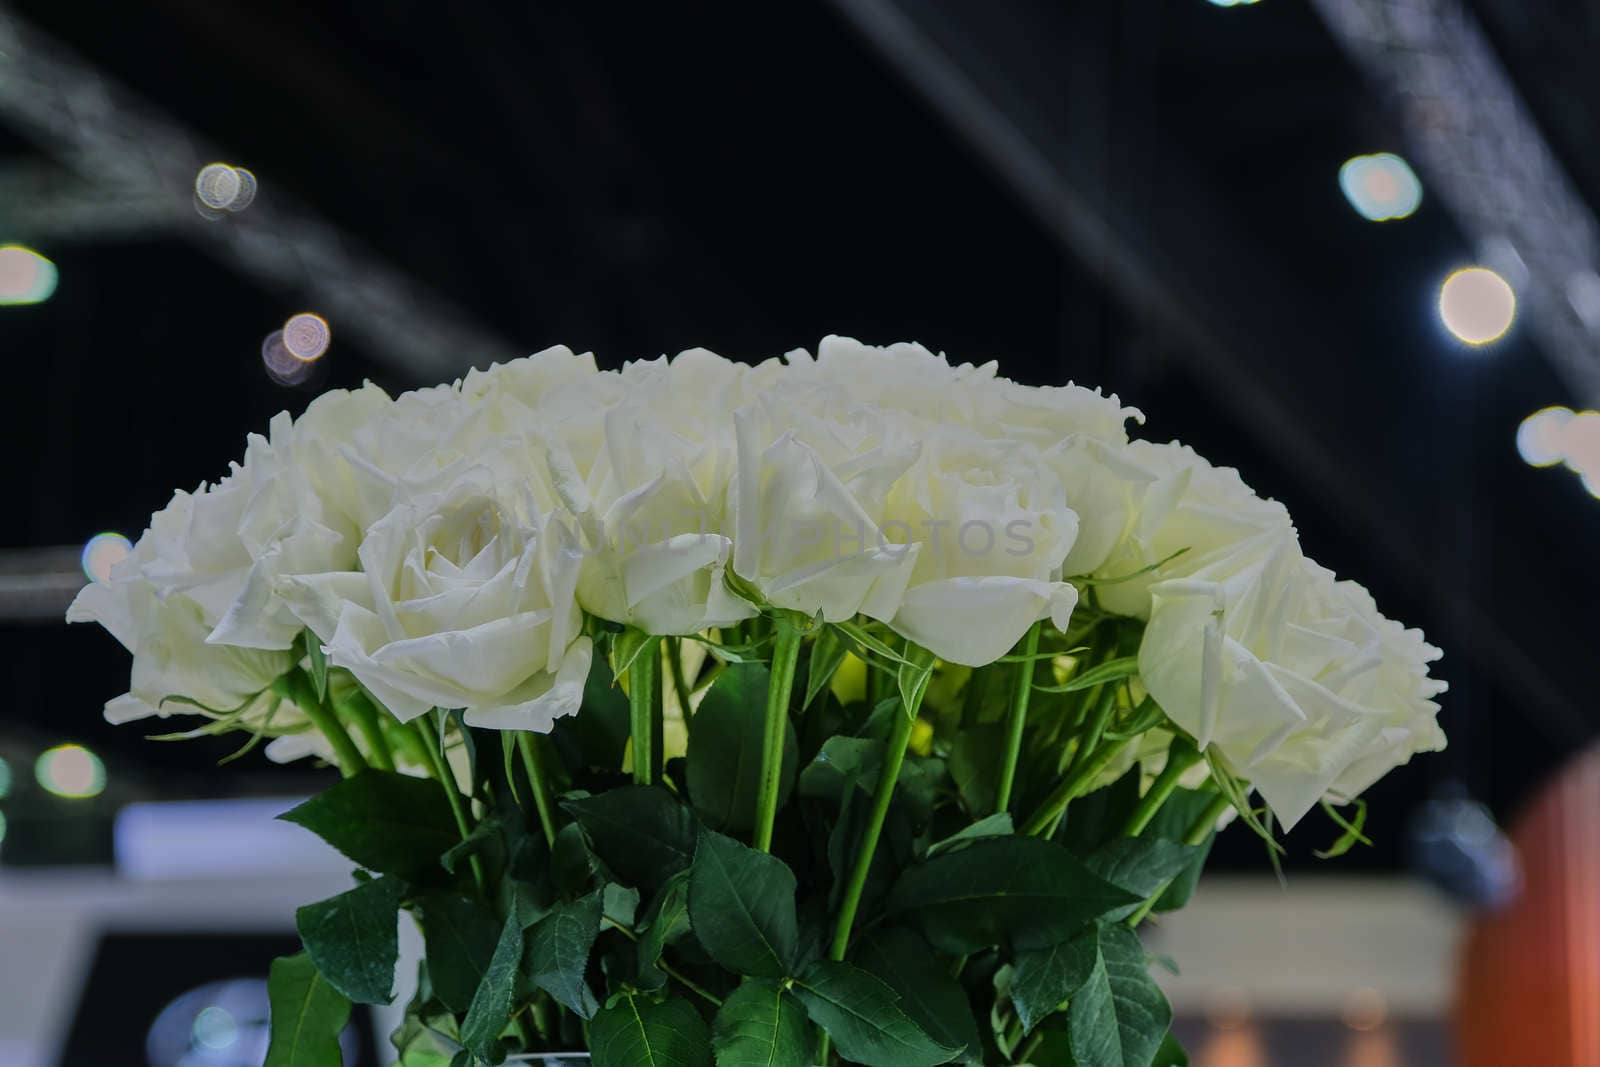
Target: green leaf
(458,718)
(1022,890)
(1097,817)
(1113,670)
(459,936)
(762,1025)
(387,822)
(558,952)
(637,1032)
(352,939)
(827,652)
(916,670)
(642,832)
(996,825)
(483,837)
(1171,1053)
(628,646)
(491,1005)
(316,665)
(1141,865)
(975,764)
(572,861)
(1044,977)
(508,747)
(860,1013)
(1118,1017)
(1173,823)
(935,1001)
(308,1015)
(621,904)
(725,748)
(419,1046)
(841,762)
(741,906)
(665,923)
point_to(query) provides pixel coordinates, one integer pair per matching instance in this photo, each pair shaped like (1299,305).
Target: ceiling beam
(115,142)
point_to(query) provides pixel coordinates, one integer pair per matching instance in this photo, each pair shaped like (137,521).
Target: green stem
(411,749)
(1099,718)
(893,758)
(785,656)
(1021,688)
(972,698)
(298,689)
(641,712)
(526,744)
(367,722)
(1054,805)
(679,685)
(877,684)
(447,781)
(1181,755)
(1202,828)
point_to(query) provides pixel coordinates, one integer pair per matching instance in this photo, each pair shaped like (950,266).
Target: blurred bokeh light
(307,336)
(26,277)
(70,771)
(102,552)
(1380,187)
(282,365)
(1477,305)
(1539,438)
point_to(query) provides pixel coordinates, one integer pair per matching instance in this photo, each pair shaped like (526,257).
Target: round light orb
(1539,438)
(217,185)
(1580,443)
(102,552)
(282,365)
(1477,305)
(1380,187)
(26,277)
(70,771)
(5,779)
(247,190)
(307,336)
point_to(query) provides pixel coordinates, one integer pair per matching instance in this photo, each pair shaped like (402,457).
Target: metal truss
(133,160)
(1482,152)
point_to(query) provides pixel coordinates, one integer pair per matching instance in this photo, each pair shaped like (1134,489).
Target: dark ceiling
(638,179)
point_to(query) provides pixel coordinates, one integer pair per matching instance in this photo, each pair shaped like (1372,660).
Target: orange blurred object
(1530,980)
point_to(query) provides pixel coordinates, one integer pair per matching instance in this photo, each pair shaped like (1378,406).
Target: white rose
(296,487)
(1295,678)
(164,600)
(907,377)
(651,501)
(1187,517)
(812,473)
(1082,432)
(465,600)
(990,526)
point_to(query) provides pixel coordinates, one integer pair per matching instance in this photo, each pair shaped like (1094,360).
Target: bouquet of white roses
(855,707)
